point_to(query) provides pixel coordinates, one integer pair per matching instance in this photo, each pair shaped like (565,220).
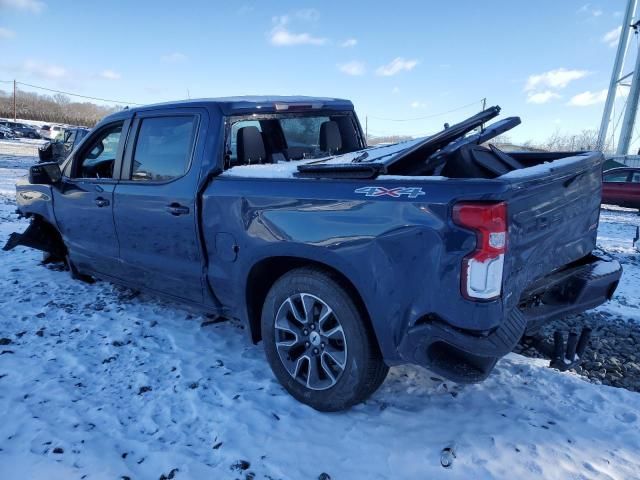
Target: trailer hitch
(570,357)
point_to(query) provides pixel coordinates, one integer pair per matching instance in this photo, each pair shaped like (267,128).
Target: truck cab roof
(250,103)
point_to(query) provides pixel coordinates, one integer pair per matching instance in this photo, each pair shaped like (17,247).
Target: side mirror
(45,173)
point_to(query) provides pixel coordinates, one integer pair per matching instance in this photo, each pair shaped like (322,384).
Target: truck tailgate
(553,213)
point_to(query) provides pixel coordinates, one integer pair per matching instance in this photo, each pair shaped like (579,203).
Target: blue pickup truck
(343,259)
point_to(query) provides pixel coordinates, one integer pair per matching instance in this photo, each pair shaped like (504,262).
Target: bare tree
(56,109)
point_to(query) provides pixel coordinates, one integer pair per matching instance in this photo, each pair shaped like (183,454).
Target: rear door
(83,203)
(155,207)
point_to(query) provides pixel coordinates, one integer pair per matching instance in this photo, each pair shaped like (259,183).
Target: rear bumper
(465,356)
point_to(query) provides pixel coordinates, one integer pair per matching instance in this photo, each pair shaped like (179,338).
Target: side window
(616,177)
(635,178)
(98,159)
(163,148)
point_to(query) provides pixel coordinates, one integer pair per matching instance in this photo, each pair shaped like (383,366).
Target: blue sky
(547,61)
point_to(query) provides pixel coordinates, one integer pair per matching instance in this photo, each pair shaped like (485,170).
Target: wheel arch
(264,273)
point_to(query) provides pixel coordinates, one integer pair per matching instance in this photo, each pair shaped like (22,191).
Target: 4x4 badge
(411,192)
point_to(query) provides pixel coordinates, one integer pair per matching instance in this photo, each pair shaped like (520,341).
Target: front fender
(35,200)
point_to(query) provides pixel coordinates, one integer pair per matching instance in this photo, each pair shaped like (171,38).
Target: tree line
(56,108)
(556,142)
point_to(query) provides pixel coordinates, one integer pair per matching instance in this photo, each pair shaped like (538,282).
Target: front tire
(317,342)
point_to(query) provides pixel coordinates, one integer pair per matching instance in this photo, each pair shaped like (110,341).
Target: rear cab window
(281,137)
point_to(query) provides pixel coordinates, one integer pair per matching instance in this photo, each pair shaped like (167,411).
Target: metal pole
(366,128)
(631,111)
(617,68)
(14,100)
(484,104)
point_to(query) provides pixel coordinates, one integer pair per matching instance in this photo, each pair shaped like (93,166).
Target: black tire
(363,369)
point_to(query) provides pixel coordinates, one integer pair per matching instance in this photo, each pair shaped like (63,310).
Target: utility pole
(14,100)
(630,112)
(484,104)
(615,75)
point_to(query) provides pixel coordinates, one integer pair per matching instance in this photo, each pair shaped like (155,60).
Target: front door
(84,202)
(155,203)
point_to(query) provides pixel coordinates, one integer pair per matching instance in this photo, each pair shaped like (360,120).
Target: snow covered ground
(99,383)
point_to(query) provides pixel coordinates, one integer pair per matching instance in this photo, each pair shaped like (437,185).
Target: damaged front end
(41,236)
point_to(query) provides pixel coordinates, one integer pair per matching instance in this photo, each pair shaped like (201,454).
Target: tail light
(482,269)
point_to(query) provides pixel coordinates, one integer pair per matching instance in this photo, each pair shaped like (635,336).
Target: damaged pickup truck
(343,259)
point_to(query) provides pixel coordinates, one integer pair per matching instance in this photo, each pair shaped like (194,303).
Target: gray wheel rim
(310,341)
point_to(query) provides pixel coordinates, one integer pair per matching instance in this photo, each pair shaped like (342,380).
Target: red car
(621,186)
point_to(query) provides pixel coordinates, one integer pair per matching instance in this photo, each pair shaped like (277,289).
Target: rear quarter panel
(403,255)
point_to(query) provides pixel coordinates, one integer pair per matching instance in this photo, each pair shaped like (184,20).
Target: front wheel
(317,342)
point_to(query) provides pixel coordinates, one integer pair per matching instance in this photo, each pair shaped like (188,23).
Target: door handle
(102,202)
(176,209)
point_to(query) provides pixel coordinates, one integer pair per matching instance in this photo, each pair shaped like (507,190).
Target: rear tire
(317,341)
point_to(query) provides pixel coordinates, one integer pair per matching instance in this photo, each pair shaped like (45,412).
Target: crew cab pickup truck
(343,259)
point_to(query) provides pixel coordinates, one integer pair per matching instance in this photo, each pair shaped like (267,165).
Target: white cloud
(588,98)
(417,104)
(354,68)
(554,79)
(396,66)
(44,70)
(5,33)
(611,38)
(281,37)
(110,75)
(542,97)
(33,6)
(174,57)
(349,42)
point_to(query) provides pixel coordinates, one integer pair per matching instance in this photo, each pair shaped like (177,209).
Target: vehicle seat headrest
(330,139)
(250,146)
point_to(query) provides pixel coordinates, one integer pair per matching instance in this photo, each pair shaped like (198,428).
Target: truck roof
(242,104)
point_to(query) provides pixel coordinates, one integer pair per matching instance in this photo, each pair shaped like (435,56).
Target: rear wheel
(317,342)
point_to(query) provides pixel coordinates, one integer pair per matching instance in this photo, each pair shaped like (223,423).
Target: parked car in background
(6,132)
(56,150)
(621,186)
(21,129)
(45,131)
(57,131)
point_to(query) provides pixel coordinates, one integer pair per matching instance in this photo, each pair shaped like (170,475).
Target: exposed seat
(330,138)
(250,146)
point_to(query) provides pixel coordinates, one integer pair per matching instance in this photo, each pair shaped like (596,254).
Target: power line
(428,116)
(72,94)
